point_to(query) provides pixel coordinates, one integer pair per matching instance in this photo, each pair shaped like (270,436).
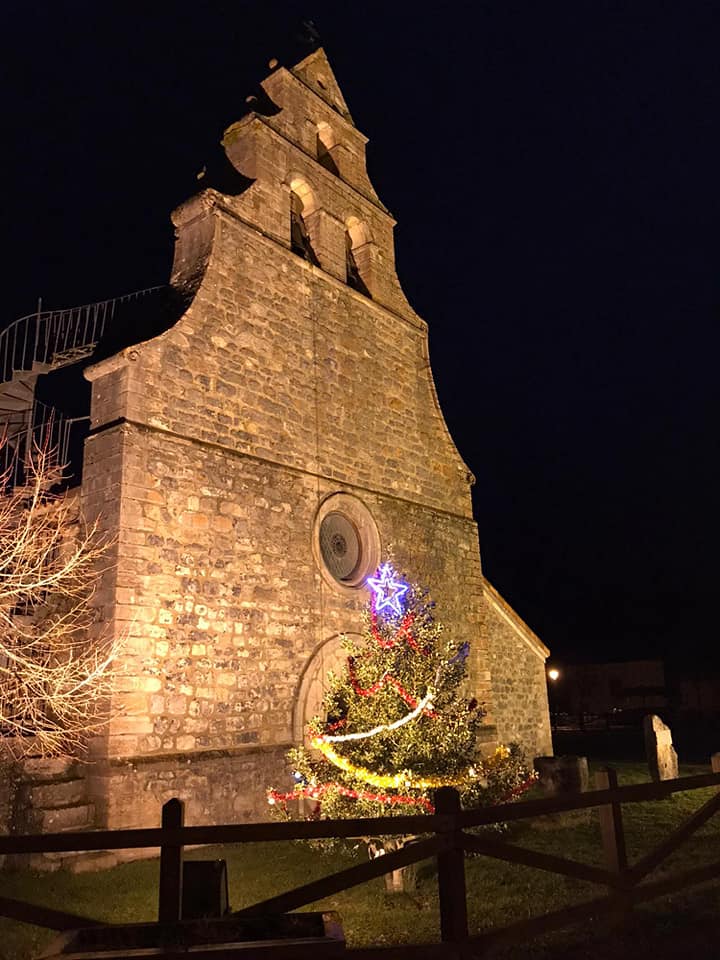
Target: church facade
(256,460)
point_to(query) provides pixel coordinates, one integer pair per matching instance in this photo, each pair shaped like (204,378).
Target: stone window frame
(360,516)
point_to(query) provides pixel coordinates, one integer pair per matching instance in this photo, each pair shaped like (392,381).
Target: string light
(381,728)
(317,791)
(406,780)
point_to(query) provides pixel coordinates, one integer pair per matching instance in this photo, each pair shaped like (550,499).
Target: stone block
(92,861)
(39,769)
(66,793)
(67,818)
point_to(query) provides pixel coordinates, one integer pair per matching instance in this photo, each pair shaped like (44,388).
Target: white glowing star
(388,591)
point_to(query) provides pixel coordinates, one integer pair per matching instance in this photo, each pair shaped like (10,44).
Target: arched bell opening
(302,204)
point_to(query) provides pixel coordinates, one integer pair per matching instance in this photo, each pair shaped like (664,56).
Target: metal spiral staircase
(35,345)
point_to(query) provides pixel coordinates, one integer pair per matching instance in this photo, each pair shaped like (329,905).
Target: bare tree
(55,662)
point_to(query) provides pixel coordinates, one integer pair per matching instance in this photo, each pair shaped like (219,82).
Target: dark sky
(554,171)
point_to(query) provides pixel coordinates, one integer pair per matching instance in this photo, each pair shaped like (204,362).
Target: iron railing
(46,431)
(54,338)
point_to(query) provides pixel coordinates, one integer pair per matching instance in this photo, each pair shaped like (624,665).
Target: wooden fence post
(171,865)
(611,824)
(451,874)
(612,833)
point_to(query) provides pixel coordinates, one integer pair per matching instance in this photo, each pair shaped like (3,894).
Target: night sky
(553,168)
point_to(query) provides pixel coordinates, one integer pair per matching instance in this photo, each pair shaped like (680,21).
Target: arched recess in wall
(302,205)
(358,256)
(330,655)
(325,143)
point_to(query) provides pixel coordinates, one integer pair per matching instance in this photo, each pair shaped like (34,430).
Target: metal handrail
(46,429)
(57,337)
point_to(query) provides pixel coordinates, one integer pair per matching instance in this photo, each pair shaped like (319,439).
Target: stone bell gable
(256,460)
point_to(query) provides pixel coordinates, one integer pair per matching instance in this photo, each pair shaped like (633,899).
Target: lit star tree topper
(388,589)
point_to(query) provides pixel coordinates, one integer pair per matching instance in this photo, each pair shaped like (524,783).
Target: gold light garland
(405,780)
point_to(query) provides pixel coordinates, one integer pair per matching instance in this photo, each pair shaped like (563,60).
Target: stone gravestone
(559,775)
(661,756)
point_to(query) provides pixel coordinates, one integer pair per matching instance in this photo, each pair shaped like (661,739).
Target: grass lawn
(498,893)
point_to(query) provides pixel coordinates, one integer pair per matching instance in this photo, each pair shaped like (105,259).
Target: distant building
(601,688)
(699,695)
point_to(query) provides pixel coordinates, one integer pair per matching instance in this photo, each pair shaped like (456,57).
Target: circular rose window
(345,541)
(340,546)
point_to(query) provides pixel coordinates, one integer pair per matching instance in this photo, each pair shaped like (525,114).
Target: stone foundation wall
(218,786)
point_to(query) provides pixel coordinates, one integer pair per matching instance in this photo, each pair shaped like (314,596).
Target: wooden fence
(442,836)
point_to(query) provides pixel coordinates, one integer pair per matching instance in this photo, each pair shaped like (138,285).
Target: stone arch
(326,147)
(359,255)
(303,204)
(302,189)
(326,134)
(330,655)
(358,231)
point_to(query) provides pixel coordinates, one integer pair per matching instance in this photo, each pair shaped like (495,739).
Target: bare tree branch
(55,669)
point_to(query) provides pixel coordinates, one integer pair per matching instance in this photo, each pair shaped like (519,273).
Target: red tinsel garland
(402,632)
(317,793)
(519,789)
(370,691)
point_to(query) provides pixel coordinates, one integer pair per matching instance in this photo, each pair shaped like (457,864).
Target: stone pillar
(366,259)
(327,236)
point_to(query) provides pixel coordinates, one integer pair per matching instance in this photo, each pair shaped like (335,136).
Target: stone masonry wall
(222,607)
(216,589)
(276,360)
(517,667)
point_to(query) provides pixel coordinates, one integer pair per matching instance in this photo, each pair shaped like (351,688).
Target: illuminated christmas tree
(397,723)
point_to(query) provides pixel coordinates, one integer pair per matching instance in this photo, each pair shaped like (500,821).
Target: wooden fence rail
(322,829)
(441,835)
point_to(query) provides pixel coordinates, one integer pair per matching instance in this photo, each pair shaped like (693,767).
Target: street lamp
(553,674)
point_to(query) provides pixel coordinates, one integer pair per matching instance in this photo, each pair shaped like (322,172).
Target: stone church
(263,432)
